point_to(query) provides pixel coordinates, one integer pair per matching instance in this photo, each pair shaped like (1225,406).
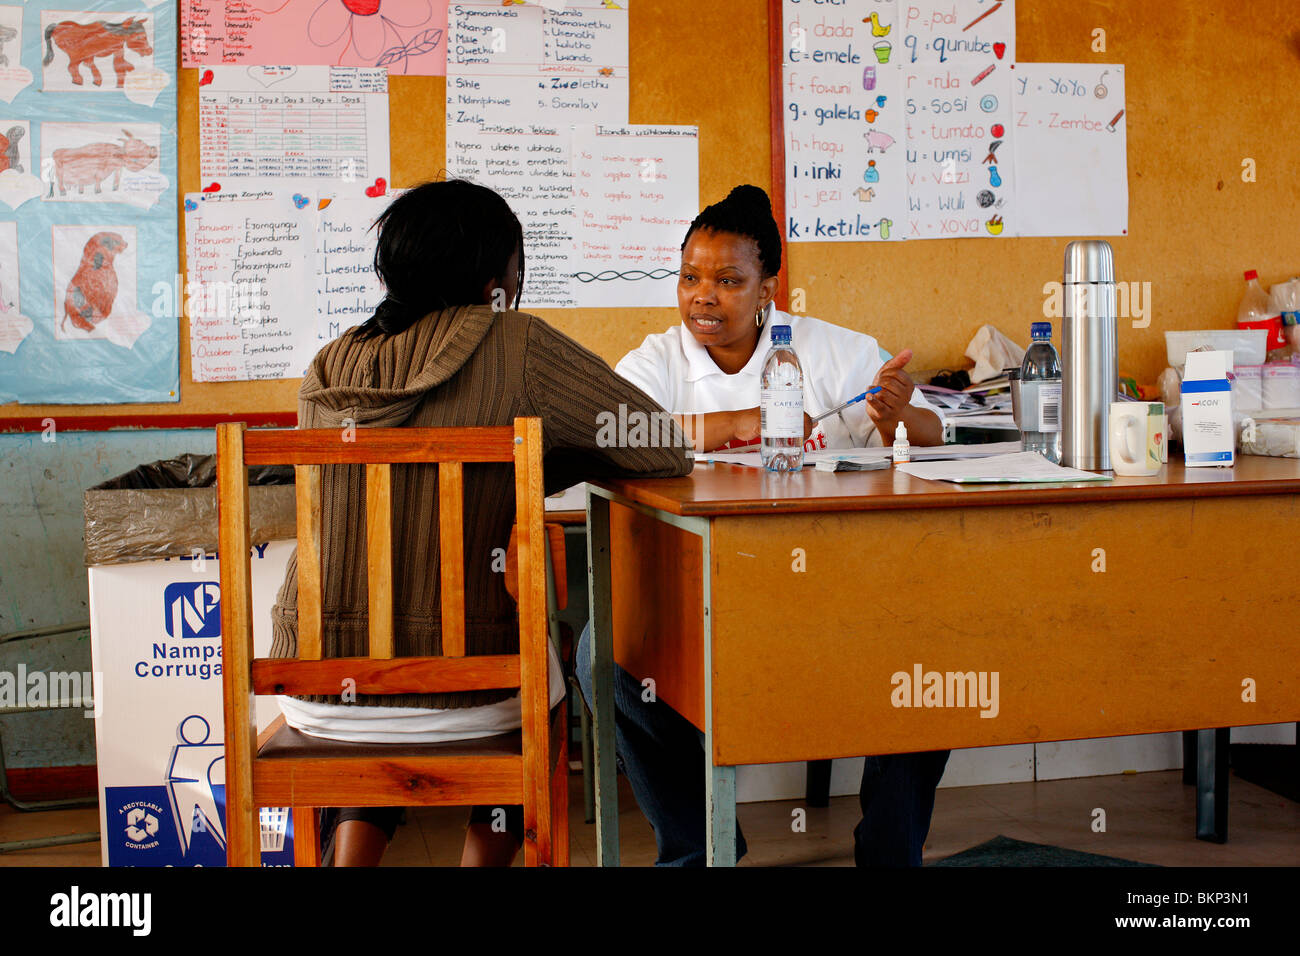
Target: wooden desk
(773,611)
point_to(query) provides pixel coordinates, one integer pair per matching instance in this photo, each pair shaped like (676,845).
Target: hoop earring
(758,319)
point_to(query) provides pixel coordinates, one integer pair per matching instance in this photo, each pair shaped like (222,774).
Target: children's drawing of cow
(6,34)
(82,42)
(877,140)
(90,165)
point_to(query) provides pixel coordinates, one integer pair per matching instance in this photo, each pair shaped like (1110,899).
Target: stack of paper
(1022,467)
(863,459)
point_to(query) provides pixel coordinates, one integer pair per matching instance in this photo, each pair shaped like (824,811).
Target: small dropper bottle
(902,447)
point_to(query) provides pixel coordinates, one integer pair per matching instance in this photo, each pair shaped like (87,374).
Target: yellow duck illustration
(876,29)
(610,5)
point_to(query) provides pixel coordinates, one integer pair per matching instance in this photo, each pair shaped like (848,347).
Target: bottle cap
(1040,330)
(1251,274)
(900,433)
(781,335)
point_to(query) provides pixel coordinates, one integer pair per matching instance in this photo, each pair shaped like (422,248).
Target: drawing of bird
(93,288)
(876,29)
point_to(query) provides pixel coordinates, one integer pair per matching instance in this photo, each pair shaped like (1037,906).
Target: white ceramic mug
(1137,437)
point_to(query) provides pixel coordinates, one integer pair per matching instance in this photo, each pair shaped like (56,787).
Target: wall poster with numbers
(89,297)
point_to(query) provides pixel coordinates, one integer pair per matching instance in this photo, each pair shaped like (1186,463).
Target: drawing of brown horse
(82,42)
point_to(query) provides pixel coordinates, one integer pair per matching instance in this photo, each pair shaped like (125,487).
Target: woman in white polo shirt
(706,371)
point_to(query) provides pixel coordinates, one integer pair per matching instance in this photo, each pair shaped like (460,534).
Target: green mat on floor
(1004,851)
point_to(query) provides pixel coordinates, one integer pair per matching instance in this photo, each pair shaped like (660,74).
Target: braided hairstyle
(439,245)
(745,212)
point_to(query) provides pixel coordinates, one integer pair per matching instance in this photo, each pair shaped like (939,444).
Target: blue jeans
(663,756)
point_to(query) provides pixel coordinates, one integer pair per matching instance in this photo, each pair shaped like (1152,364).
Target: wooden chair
(289,769)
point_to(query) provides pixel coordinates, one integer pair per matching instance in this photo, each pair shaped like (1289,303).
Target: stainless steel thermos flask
(1089,364)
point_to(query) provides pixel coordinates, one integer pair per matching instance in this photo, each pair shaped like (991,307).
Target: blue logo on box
(192,609)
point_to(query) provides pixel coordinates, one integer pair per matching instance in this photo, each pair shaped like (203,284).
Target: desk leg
(721,787)
(1212,785)
(720,782)
(602,676)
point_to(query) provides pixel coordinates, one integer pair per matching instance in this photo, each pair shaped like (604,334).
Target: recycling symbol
(140,825)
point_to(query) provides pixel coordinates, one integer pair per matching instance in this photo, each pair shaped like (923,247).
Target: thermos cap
(1089,260)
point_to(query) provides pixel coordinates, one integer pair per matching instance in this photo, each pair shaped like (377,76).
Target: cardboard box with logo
(155,630)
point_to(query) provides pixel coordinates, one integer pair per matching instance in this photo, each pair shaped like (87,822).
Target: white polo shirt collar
(700,364)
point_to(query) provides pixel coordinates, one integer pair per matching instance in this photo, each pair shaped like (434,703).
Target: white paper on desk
(1024,467)
(870,454)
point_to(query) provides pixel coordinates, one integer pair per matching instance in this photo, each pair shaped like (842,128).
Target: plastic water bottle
(781,405)
(1040,395)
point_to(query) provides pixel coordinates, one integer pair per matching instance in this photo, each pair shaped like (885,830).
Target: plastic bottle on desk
(781,405)
(1254,312)
(1040,395)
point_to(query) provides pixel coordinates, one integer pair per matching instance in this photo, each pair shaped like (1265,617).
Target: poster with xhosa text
(518,78)
(636,192)
(844,122)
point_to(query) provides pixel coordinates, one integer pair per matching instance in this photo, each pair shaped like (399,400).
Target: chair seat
(288,743)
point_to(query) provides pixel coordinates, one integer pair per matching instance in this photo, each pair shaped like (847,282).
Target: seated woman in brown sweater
(445,348)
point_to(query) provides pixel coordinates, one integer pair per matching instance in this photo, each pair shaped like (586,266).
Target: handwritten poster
(939,32)
(1071,149)
(960,175)
(636,192)
(315,124)
(404,36)
(88,230)
(251,287)
(844,124)
(518,78)
(347,288)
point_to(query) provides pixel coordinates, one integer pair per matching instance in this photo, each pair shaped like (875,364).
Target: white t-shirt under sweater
(413,725)
(677,372)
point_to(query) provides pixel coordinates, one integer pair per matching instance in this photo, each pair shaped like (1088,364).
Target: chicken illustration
(93,288)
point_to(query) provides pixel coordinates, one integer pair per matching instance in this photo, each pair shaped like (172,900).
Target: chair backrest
(378,449)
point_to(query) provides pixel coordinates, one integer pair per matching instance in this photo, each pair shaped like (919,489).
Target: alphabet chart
(910,119)
(308,123)
(960,180)
(1071,149)
(939,32)
(844,124)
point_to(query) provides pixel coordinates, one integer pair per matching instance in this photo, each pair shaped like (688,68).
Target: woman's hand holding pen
(886,407)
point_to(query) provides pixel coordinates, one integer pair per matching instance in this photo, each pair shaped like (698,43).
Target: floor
(1147,817)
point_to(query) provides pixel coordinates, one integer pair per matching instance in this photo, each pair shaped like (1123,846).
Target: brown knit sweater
(463,366)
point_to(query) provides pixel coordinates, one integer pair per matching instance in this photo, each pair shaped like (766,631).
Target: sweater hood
(379,381)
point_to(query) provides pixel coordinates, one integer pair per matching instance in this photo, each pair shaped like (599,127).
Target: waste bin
(155,630)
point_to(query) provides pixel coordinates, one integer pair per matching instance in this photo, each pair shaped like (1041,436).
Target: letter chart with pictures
(913,120)
(88,231)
